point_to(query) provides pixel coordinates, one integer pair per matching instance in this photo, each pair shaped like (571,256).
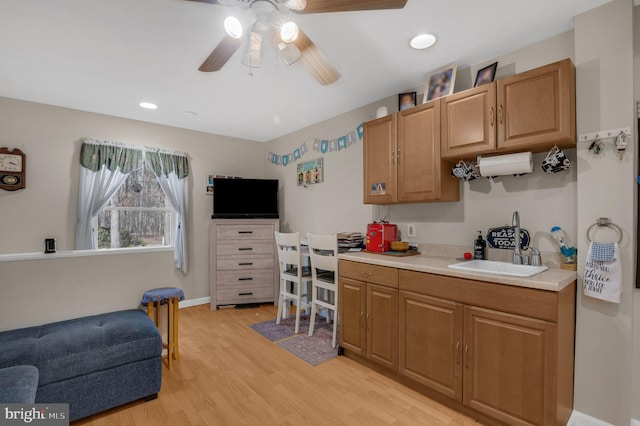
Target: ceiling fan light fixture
(289,32)
(296,4)
(423,41)
(233,27)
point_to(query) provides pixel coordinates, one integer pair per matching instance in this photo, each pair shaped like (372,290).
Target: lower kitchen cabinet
(502,353)
(368,312)
(509,366)
(382,325)
(431,342)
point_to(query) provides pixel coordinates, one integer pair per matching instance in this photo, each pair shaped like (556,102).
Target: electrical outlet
(411,230)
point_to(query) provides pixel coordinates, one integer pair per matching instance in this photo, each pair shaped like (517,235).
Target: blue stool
(171,296)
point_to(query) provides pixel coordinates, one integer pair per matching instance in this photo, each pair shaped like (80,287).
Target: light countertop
(552,279)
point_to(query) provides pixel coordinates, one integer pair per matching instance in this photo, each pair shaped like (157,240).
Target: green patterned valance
(163,163)
(94,154)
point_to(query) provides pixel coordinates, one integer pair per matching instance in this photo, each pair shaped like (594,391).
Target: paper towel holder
(515,164)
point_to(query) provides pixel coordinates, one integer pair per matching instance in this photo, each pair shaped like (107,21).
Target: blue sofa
(92,363)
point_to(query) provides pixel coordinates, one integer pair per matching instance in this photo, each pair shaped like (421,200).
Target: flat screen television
(245,198)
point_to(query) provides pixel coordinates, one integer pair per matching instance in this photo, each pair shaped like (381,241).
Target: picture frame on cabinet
(486,75)
(440,83)
(406,100)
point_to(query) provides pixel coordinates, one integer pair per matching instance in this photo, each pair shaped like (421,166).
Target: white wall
(36,291)
(336,204)
(604,59)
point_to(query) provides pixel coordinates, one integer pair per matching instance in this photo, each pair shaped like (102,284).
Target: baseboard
(580,419)
(194,302)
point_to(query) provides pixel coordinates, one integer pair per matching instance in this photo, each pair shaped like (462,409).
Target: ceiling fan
(272,17)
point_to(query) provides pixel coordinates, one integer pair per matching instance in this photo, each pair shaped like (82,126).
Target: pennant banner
(320,145)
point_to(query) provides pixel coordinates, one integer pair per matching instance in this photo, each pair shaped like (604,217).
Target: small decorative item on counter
(480,247)
(568,251)
(468,256)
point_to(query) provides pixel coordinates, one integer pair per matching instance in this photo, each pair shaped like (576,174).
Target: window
(138,215)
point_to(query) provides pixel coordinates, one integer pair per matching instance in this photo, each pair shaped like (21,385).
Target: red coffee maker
(380,235)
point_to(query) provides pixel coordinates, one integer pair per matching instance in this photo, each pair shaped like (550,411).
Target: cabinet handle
(466,356)
(393,157)
(245,279)
(245,232)
(457,355)
(365,274)
(245,263)
(500,114)
(245,294)
(398,157)
(245,248)
(491,115)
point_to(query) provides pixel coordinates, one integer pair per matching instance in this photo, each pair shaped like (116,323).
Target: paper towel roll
(510,164)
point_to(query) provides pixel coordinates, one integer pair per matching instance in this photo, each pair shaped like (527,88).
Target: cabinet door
(537,108)
(509,366)
(380,160)
(382,325)
(431,342)
(352,296)
(420,175)
(469,122)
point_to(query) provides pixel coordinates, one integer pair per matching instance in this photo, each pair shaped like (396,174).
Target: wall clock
(12,169)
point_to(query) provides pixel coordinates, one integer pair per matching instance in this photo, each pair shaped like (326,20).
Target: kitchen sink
(500,268)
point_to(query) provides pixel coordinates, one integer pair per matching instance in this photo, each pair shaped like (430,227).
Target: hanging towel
(602,272)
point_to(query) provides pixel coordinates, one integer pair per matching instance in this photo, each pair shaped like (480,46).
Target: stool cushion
(19,384)
(162,294)
(71,348)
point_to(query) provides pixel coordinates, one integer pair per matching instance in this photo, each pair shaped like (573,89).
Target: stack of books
(350,240)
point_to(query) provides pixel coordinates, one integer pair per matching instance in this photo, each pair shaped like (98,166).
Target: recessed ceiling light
(148,105)
(423,41)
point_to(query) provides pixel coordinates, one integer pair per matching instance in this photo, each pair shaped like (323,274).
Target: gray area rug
(314,349)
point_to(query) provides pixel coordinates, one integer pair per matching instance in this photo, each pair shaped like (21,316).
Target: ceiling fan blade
(322,6)
(221,54)
(315,61)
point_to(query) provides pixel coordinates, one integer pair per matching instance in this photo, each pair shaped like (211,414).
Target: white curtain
(104,167)
(172,171)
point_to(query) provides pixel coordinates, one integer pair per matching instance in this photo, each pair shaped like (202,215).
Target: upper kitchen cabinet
(402,162)
(469,122)
(533,111)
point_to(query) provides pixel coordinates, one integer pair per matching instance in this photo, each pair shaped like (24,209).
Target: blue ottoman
(91,363)
(18,384)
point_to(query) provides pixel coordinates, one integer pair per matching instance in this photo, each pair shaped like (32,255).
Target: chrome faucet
(517,254)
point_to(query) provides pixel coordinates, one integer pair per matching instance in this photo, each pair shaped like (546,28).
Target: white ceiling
(106,56)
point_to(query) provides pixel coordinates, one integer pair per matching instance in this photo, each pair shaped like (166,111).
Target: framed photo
(486,75)
(406,100)
(310,172)
(440,83)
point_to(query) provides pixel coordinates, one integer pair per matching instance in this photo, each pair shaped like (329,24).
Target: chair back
(323,251)
(288,245)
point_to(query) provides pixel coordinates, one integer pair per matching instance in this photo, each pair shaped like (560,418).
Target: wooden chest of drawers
(243,264)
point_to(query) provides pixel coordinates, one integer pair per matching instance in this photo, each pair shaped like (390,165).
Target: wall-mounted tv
(245,198)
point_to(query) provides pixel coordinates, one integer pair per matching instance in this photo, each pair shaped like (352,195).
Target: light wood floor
(230,375)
